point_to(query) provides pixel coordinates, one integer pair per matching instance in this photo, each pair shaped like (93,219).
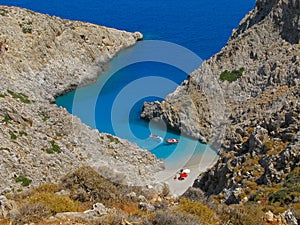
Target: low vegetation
(2,95)
(82,188)
(86,185)
(55,203)
(231,76)
(113,139)
(53,149)
(3,12)
(24,180)
(31,213)
(205,215)
(44,116)
(178,218)
(12,135)
(26,27)
(6,119)
(22,97)
(248,214)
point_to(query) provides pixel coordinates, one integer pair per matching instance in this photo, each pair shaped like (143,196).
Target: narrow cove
(113,105)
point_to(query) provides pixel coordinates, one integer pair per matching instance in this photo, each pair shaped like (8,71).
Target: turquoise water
(113,105)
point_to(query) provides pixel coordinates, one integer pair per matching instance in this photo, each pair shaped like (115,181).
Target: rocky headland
(42,57)
(244,101)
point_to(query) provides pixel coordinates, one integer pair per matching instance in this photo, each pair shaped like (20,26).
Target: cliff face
(51,56)
(245,102)
(40,58)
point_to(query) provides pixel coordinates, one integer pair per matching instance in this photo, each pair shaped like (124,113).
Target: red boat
(172,141)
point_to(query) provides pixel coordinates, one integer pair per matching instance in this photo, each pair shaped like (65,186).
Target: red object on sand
(183,175)
(172,141)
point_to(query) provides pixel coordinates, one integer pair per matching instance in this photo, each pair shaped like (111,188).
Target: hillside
(244,101)
(42,57)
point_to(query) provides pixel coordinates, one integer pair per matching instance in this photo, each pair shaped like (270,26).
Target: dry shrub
(31,213)
(170,218)
(56,203)
(248,214)
(49,188)
(194,194)
(70,221)
(21,196)
(202,212)
(130,208)
(4,221)
(87,185)
(296,210)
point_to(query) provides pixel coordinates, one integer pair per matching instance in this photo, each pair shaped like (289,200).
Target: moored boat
(172,141)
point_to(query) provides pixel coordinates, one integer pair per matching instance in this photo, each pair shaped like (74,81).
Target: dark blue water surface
(113,105)
(202,26)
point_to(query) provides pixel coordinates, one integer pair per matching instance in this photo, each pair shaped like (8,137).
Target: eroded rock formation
(42,57)
(245,102)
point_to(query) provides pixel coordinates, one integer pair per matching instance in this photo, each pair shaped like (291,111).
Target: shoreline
(198,163)
(55,55)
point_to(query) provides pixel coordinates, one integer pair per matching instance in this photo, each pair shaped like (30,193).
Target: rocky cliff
(245,102)
(42,57)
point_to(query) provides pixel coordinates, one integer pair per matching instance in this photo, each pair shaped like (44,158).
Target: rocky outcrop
(42,57)
(244,101)
(286,218)
(54,55)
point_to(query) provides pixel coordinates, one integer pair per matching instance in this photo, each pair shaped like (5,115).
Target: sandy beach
(197,163)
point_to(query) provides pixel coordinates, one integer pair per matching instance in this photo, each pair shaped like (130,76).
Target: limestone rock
(41,57)
(286,218)
(98,210)
(254,118)
(146,206)
(6,206)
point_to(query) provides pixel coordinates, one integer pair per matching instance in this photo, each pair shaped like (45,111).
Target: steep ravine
(41,57)
(253,120)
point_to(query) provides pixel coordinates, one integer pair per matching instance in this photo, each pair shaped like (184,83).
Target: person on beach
(182,175)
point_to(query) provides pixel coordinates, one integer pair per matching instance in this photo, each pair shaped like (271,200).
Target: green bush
(6,119)
(12,135)
(27,30)
(22,133)
(23,98)
(231,76)
(25,181)
(3,95)
(54,148)
(3,12)
(44,116)
(289,191)
(286,195)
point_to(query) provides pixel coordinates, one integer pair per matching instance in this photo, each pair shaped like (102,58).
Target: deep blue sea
(150,70)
